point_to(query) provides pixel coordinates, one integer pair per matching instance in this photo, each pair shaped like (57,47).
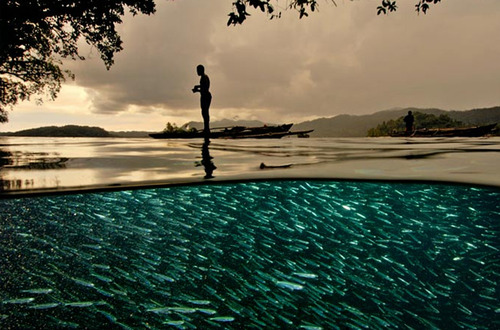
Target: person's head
(409,112)
(200,69)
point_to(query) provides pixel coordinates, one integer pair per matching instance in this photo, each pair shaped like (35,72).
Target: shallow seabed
(281,254)
(45,165)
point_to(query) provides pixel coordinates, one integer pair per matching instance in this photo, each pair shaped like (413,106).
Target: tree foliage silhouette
(303,7)
(37,34)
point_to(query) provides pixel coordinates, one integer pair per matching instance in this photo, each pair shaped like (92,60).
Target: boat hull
(475,131)
(235,132)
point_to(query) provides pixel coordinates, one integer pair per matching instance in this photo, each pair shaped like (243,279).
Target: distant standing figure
(205,98)
(409,119)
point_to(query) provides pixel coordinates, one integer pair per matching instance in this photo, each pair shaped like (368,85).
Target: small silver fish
(222,319)
(44,306)
(19,301)
(289,285)
(80,304)
(38,291)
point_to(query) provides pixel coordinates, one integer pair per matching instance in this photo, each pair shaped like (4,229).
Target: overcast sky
(341,60)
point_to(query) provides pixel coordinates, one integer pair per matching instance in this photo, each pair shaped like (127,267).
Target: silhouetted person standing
(409,120)
(205,98)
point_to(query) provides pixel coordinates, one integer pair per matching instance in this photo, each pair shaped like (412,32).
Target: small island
(62,131)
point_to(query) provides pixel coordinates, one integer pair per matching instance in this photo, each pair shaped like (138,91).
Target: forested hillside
(422,120)
(64,131)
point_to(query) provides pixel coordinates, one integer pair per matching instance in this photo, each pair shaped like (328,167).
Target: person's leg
(205,113)
(206,120)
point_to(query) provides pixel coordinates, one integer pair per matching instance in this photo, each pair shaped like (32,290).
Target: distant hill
(358,126)
(477,116)
(62,131)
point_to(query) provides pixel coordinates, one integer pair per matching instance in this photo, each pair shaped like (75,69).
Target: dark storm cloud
(343,59)
(157,66)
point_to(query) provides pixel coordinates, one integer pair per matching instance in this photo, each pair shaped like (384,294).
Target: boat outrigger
(475,131)
(234,132)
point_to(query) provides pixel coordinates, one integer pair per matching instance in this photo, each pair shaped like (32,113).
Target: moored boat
(233,132)
(474,131)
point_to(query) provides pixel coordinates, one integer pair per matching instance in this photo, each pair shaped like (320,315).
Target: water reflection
(26,161)
(36,161)
(62,164)
(4,160)
(206,160)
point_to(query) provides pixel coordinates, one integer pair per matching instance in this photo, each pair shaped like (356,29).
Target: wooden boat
(474,131)
(271,135)
(234,132)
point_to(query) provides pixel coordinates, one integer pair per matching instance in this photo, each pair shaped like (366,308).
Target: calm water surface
(357,249)
(47,164)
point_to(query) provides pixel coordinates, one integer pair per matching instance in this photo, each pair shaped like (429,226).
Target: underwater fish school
(296,244)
